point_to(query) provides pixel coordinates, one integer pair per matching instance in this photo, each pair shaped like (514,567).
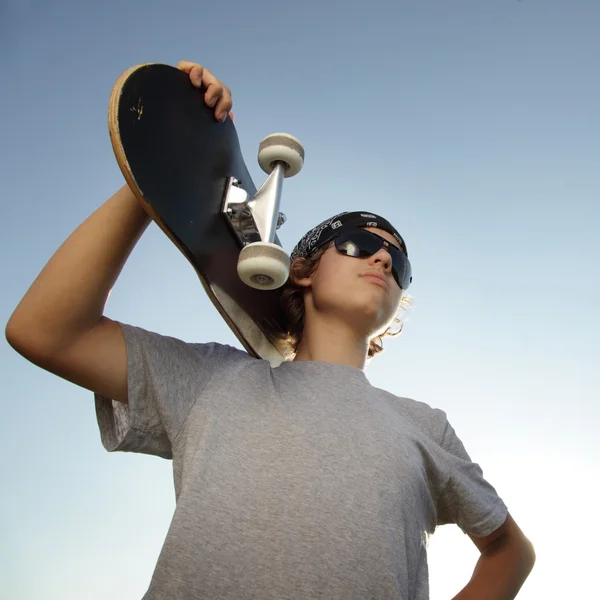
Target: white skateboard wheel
(263,266)
(281,147)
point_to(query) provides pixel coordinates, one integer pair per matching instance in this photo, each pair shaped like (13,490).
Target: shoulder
(428,419)
(168,348)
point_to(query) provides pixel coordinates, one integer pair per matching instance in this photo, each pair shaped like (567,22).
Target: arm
(59,323)
(507,558)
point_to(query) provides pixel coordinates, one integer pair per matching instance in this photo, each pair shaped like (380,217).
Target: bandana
(322,234)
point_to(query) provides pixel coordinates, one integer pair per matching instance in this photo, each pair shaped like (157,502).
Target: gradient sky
(473,125)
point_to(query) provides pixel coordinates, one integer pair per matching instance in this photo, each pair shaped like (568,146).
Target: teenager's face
(360,290)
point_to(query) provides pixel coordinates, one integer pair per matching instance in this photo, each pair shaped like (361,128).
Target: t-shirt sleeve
(466,498)
(165,377)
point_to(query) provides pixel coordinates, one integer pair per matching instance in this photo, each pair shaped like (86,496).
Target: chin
(367,312)
(375,319)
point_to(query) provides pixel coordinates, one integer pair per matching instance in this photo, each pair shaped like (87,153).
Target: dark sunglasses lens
(360,244)
(400,268)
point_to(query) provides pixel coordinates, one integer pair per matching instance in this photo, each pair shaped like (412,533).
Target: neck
(332,341)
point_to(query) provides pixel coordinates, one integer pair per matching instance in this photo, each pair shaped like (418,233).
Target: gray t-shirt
(300,481)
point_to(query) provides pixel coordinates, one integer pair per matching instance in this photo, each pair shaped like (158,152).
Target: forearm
(69,295)
(500,571)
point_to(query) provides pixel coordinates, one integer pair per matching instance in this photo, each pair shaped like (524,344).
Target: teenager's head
(352,268)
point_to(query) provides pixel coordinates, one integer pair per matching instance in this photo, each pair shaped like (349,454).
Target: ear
(295,270)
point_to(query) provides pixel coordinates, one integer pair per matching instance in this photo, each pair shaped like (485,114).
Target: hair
(292,303)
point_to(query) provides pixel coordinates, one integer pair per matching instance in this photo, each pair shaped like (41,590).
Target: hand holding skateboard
(217,96)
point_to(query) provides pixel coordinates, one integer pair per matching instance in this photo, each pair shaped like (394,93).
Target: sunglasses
(360,243)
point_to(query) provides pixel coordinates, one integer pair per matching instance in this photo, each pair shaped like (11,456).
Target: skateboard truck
(262,263)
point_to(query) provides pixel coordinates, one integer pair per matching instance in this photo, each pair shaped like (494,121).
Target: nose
(383,257)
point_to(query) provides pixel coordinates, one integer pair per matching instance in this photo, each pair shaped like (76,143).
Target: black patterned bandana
(322,234)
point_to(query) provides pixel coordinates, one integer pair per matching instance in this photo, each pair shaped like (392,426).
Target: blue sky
(473,126)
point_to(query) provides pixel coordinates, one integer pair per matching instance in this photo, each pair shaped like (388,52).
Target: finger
(194,70)
(185,65)
(224,105)
(214,88)
(213,94)
(209,80)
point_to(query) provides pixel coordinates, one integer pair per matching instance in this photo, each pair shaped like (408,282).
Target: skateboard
(188,173)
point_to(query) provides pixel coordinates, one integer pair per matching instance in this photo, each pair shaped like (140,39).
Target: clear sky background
(473,125)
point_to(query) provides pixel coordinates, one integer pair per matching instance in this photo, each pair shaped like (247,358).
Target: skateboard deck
(177,158)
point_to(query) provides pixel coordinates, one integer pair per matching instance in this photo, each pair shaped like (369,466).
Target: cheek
(333,277)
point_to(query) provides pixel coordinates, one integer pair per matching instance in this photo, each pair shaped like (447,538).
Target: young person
(300,481)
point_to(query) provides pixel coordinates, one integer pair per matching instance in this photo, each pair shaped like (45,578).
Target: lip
(376,278)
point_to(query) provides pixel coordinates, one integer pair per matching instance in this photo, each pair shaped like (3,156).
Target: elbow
(21,339)
(12,334)
(530,556)
(17,339)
